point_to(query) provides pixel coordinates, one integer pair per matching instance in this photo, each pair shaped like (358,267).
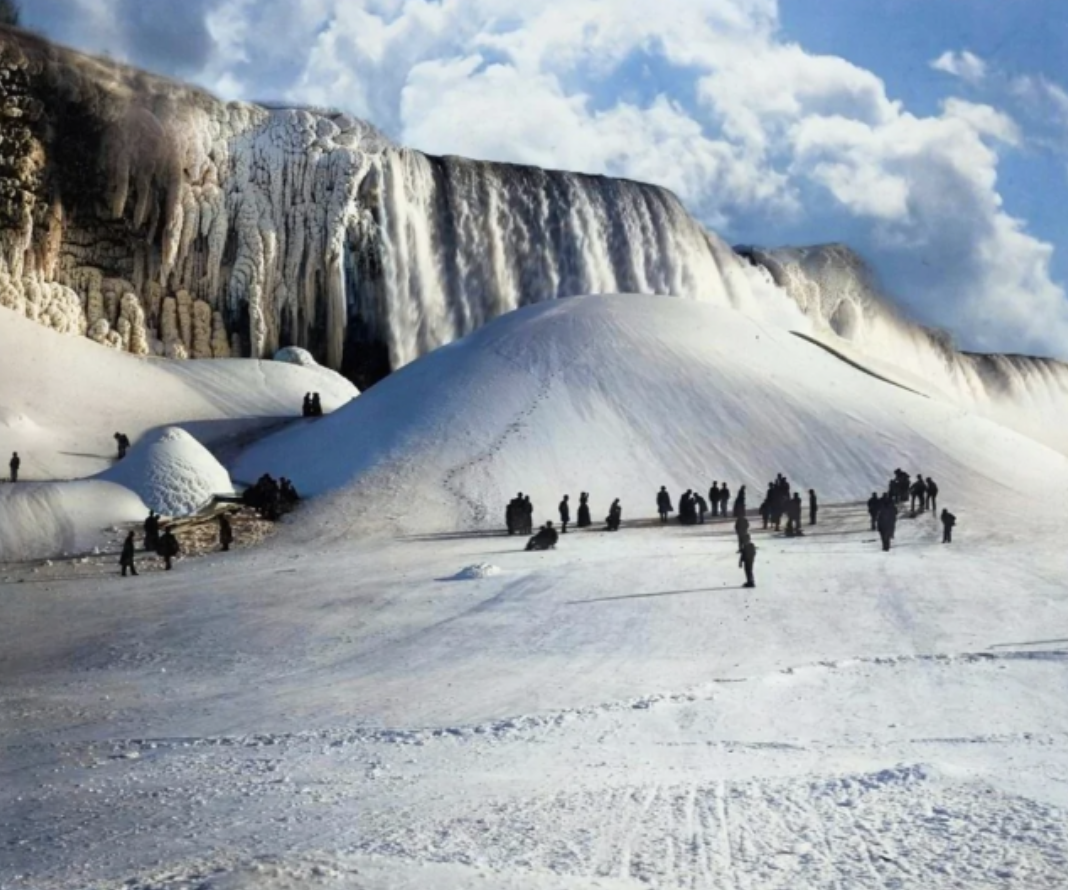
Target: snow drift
(171,472)
(617,396)
(62,398)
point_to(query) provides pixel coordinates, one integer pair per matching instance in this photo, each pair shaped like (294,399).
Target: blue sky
(931,136)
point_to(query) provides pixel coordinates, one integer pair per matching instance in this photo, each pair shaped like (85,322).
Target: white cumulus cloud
(965,65)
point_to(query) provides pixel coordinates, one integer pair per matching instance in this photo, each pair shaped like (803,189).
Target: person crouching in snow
(545,539)
(126,560)
(746,558)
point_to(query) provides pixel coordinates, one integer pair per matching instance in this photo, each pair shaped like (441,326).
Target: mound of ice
(294,355)
(476,572)
(172,472)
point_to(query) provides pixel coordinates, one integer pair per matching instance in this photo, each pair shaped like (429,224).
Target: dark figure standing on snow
(739,503)
(813,506)
(886,522)
(713,498)
(565,514)
(122,444)
(168,548)
(615,516)
(126,560)
(584,520)
(918,490)
(932,495)
(746,558)
(741,529)
(663,503)
(152,531)
(793,517)
(702,508)
(306,408)
(687,508)
(948,521)
(724,499)
(226,532)
(873,508)
(765,512)
(14,465)
(316,405)
(528,515)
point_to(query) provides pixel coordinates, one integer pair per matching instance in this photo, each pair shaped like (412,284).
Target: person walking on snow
(168,548)
(713,498)
(813,506)
(741,529)
(663,503)
(126,560)
(151,531)
(873,508)
(948,521)
(932,495)
(739,503)
(565,515)
(746,559)
(919,494)
(226,532)
(887,522)
(584,520)
(14,465)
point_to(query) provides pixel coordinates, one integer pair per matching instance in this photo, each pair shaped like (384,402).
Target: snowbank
(171,472)
(294,355)
(62,398)
(47,519)
(618,396)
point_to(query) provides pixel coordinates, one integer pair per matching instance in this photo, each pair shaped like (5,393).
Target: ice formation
(154,218)
(171,472)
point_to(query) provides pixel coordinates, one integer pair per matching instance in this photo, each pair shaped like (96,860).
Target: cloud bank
(706,97)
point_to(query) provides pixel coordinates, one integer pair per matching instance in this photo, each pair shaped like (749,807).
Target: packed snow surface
(329,710)
(171,472)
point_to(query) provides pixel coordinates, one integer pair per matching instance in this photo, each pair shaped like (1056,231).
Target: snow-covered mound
(618,396)
(42,519)
(294,355)
(171,472)
(62,398)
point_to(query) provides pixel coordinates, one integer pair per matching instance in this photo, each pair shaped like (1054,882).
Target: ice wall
(838,292)
(154,218)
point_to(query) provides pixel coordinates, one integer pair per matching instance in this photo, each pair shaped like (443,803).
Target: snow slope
(617,396)
(62,398)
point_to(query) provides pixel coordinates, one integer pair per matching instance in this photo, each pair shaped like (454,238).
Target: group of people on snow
(163,543)
(313,406)
(779,503)
(271,498)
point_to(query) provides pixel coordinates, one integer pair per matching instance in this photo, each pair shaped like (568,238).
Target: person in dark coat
(873,508)
(584,510)
(713,498)
(886,521)
(168,548)
(932,495)
(813,506)
(545,539)
(741,529)
(918,490)
(663,503)
(152,531)
(687,508)
(765,512)
(739,503)
(226,532)
(701,506)
(724,499)
(948,521)
(513,514)
(565,514)
(126,560)
(527,515)
(746,558)
(615,516)
(793,517)
(14,465)
(316,405)
(122,444)
(306,408)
